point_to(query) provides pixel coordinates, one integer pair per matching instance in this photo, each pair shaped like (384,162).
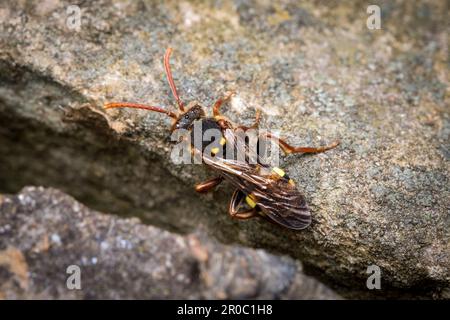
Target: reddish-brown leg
(170,79)
(139,106)
(219,102)
(255,124)
(287,148)
(235,204)
(208,185)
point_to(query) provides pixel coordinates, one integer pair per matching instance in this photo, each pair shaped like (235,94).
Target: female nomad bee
(267,191)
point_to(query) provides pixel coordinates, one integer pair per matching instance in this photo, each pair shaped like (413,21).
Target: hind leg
(208,185)
(235,204)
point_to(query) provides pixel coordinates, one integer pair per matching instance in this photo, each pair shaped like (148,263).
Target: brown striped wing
(278,200)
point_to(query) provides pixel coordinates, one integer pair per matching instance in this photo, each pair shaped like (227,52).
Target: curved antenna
(139,106)
(170,79)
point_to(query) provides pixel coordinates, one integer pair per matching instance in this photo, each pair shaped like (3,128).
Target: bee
(261,190)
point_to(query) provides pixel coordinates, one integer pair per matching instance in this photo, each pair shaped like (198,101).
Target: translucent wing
(279,200)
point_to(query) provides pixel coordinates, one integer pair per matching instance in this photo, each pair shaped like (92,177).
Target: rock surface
(382,197)
(43,232)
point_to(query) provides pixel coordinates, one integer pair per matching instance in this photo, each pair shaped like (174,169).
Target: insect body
(264,191)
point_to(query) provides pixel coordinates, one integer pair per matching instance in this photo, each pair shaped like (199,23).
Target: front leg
(219,102)
(255,124)
(208,185)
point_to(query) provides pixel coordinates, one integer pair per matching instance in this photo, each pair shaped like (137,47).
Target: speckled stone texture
(44,231)
(318,74)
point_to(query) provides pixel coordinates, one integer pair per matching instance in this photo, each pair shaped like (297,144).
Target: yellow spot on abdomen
(279,171)
(250,201)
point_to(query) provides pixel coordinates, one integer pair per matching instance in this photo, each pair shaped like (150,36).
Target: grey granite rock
(44,233)
(318,74)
